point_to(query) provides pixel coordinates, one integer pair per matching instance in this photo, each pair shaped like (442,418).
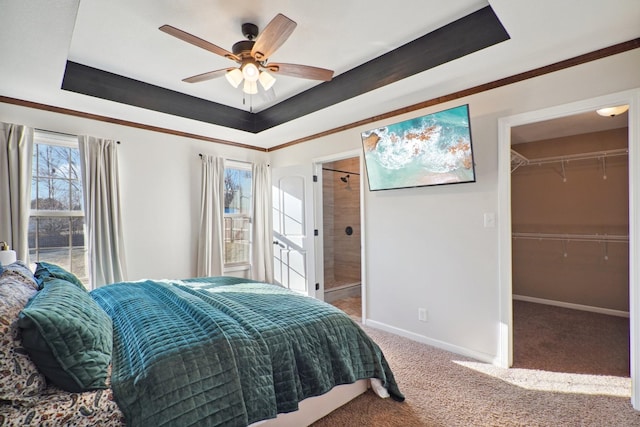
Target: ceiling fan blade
(302,71)
(272,37)
(197,41)
(206,76)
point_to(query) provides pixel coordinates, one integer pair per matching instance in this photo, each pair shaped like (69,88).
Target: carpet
(445,389)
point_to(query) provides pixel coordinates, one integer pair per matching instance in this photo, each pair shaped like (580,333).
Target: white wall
(160,184)
(427,247)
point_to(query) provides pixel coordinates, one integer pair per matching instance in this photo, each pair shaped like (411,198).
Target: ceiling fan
(253,55)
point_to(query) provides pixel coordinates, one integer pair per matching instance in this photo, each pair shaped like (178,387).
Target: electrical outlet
(423,315)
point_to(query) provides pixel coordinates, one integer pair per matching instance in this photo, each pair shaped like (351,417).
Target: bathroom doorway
(341,232)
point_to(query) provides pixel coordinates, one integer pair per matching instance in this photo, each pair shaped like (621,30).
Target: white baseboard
(482,357)
(563,304)
(340,292)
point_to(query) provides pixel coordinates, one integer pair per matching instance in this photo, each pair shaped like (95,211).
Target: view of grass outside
(74,260)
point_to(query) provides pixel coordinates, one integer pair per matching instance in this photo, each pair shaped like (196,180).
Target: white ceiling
(576,124)
(37,37)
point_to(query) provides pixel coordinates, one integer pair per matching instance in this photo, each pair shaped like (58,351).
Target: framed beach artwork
(430,150)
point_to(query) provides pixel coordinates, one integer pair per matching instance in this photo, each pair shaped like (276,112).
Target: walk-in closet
(570,244)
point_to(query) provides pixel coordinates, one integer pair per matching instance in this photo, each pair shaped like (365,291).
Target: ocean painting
(429,150)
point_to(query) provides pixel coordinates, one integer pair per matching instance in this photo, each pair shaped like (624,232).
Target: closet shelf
(518,159)
(573,237)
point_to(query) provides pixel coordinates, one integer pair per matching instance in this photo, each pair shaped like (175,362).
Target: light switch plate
(489,220)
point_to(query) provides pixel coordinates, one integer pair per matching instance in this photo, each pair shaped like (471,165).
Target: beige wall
(341,208)
(573,272)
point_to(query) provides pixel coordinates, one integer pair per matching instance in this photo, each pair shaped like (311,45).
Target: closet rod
(573,237)
(570,157)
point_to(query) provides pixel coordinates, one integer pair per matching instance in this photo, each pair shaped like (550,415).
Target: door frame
(505,339)
(318,210)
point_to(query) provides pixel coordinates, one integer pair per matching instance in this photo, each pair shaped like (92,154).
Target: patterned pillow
(60,408)
(20,379)
(22,273)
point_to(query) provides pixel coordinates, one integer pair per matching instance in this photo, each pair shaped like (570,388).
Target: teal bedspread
(228,352)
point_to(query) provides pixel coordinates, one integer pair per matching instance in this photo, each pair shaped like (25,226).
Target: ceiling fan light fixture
(266,80)
(234,77)
(250,87)
(612,111)
(250,72)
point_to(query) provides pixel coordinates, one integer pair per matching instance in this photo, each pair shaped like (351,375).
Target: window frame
(49,138)
(238,266)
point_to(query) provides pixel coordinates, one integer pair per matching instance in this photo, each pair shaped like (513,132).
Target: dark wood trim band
(76,113)
(571,62)
(464,36)
(578,60)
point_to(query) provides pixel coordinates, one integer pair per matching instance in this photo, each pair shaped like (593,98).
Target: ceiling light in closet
(612,111)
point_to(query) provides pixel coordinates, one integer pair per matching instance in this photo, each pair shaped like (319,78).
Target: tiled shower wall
(341,207)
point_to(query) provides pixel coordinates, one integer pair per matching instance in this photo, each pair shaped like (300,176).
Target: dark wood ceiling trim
(462,37)
(75,113)
(91,81)
(578,60)
(466,35)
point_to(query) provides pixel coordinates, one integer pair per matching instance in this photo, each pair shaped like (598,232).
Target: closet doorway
(570,244)
(342,234)
(630,98)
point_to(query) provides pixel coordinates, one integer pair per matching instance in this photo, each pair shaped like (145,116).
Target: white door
(293,228)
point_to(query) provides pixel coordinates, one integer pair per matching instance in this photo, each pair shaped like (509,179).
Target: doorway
(631,98)
(341,229)
(339,250)
(570,255)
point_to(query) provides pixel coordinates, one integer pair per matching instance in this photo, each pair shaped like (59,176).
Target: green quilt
(228,352)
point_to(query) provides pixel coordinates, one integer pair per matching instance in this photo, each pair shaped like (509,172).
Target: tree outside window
(237,214)
(56,225)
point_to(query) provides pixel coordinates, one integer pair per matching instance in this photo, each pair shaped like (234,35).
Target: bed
(204,351)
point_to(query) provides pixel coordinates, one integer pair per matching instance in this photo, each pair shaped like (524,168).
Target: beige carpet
(444,389)
(563,340)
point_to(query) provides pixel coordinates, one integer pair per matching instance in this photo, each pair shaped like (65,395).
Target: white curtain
(262,262)
(210,236)
(16,152)
(99,164)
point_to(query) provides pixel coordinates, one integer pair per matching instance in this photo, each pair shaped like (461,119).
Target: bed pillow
(20,380)
(45,270)
(22,273)
(68,336)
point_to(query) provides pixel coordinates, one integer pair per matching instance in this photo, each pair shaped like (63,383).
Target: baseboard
(482,357)
(340,292)
(563,304)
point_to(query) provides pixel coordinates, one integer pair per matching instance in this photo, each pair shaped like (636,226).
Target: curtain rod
(232,160)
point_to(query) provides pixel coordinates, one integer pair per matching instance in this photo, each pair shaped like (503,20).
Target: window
(237,214)
(56,224)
